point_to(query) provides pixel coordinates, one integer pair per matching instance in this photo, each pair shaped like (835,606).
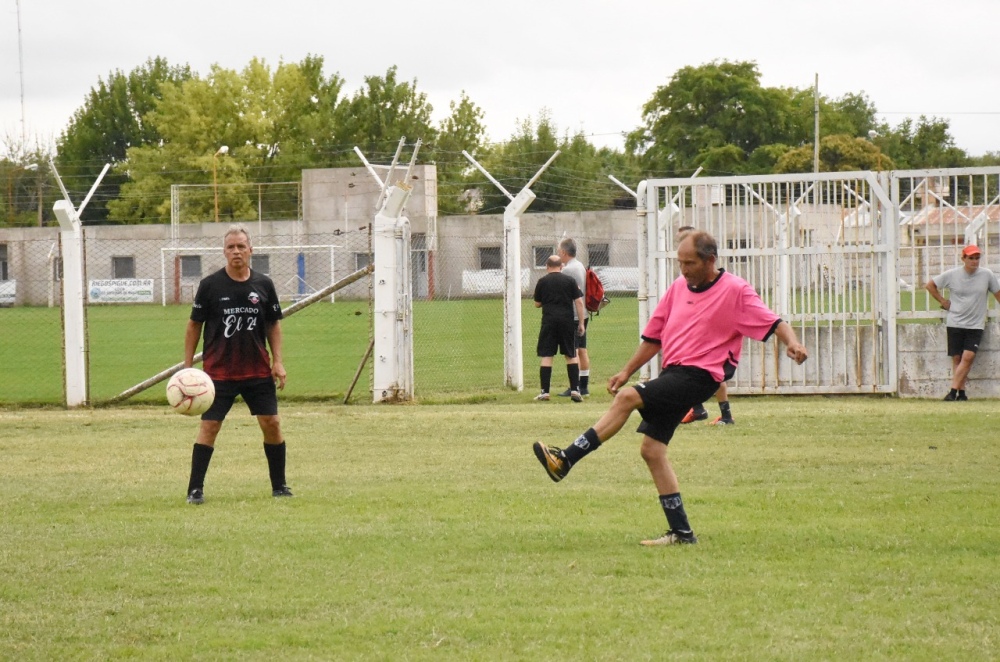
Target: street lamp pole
(215,179)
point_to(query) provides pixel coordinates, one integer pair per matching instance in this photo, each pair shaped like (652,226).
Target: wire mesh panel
(816,248)
(140,292)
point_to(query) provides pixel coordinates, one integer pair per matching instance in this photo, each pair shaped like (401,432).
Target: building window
(490,257)
(361,260)
(123,267)
(737,245)
(261,263)
(190,266)
(57,270)
(542,253)
(3,263)
(598,255)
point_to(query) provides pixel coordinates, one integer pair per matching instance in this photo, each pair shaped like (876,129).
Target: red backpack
(594,299)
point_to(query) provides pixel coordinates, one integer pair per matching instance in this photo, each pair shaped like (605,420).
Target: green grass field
(831,529)
(458,349)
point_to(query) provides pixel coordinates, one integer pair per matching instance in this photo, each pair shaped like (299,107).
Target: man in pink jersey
(698,327)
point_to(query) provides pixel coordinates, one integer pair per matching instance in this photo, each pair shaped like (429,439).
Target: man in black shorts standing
(560,299)
(241,315)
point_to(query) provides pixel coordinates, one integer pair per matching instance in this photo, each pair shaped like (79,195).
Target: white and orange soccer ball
(190,392)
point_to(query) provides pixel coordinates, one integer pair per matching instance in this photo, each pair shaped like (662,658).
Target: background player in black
(560,299)
(240,312)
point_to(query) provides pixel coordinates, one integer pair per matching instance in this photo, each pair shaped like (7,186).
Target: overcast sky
(592,64)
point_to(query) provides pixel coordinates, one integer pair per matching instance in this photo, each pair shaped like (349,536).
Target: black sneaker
(196,497)
(672,538)
(565,394)
(553,460)
(961,397)
(951,397)
(283,491)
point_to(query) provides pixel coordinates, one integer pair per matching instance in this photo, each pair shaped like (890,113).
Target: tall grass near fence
(831,528)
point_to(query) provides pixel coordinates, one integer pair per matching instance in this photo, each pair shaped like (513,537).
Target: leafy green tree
(377,116)
(708,108)
(576,180)
(462,130)
(837,153)
(926,144)
(111,121)
(270,122)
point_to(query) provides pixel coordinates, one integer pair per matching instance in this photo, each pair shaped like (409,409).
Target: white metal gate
(818,248)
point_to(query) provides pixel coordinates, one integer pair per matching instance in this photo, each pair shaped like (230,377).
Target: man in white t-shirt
(574,268)
(698,327)
(968,287)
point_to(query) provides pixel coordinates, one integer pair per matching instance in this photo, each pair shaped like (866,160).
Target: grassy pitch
(831,528)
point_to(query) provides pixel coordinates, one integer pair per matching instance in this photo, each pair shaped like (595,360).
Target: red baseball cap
(971,250)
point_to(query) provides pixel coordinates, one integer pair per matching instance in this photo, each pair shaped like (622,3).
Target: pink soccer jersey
(704,329)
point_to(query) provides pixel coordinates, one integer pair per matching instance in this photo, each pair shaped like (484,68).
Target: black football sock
(201,455)
(573,371)
(275,454)
(673,508)
(724,408)
(699,409)
(953,392)
(545,376)
(961,393)
(585,444)
(584,380)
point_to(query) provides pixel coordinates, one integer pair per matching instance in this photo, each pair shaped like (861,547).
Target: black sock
(573,370)
(585,444)
(545,377)
(276,464)
(953,391)
(724,409)
(584,380)
(201,455)
(673,508)
(961,393)
(699,409)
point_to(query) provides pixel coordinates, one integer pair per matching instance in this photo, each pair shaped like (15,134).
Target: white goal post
(291,282)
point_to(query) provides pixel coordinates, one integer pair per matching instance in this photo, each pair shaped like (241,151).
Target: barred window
(123,267)
(190,266)
(3,262)
(490,257)
(542,254)
(598,255)
(361,260)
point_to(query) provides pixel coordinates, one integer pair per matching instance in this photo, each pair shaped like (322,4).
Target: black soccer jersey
(235,315)
(556,292)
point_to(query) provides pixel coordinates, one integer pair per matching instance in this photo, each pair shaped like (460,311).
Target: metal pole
(816,125)
(20,61)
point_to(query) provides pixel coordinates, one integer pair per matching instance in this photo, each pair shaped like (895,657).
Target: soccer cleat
(283,491)
(196,497)
(723,421)
(672,538)
(694,415)
(553,460)
(565,394)
(542,396)
(961,397)
(951,397)
(575,396)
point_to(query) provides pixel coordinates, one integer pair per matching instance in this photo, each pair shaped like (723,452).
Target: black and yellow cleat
(553,460)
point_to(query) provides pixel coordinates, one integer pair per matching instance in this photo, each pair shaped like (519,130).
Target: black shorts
(557,335)
(666,399)
(963,340)
(261,396)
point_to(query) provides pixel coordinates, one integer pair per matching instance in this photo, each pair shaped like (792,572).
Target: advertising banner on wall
(121,290)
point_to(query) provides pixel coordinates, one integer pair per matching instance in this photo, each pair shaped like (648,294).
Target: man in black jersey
(241,315)
(560,299)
